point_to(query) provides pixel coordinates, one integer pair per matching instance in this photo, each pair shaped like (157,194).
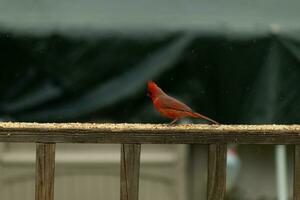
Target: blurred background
(237,62)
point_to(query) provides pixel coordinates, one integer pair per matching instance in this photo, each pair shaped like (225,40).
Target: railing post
(216,183)
(296,172)
(130,171)
(44,172)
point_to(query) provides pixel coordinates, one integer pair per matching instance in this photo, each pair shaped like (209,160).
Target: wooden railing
(131,136)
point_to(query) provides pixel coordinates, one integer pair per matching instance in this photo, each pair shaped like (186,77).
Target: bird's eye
(149,94)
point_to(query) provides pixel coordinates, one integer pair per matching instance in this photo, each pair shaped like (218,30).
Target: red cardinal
(171,107)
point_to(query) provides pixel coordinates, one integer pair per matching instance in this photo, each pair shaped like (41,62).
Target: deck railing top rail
(148,133)
(131,136)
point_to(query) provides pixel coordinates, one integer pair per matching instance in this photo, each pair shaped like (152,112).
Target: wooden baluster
(297,173)
(45,166)
(216,183)
(130,171)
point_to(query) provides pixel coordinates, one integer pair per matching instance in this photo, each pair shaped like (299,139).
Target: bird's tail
(197,115)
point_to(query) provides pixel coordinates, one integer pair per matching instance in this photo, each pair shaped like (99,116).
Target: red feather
(171,107)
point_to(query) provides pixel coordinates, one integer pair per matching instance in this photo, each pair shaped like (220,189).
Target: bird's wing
(168,102)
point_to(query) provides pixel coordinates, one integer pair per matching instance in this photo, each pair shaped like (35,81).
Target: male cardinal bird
(171,107)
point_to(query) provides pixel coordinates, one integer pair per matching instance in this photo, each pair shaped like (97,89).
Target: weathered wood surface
(297,173)
(149,133)
(130,171)
(45,166)
(216,178)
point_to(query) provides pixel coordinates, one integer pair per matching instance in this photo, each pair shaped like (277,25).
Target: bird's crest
(153,89)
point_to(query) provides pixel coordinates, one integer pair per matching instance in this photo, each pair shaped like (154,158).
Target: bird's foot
(173,122)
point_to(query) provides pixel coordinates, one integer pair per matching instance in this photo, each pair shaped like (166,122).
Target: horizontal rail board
(148,133)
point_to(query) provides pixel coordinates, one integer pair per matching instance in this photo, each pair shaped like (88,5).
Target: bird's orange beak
(149,94)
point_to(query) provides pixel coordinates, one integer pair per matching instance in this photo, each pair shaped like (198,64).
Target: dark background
(234,78)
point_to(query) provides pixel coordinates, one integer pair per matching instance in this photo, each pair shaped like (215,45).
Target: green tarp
(232,78)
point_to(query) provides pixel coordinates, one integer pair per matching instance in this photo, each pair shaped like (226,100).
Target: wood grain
(130,171)
(297,173)
(149,133)
(216,179)
(45,166)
